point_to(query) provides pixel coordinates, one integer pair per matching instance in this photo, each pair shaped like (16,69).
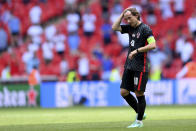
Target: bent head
(132,17)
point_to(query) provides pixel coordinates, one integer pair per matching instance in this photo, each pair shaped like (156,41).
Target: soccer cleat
(144,116)
(136,124)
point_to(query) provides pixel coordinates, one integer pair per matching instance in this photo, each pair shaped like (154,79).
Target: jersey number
(132,42)
(136,81)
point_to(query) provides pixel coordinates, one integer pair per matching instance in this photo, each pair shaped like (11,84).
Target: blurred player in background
(135,75)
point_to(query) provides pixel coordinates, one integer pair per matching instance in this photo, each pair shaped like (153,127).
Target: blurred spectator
(167,41)
(73,42)
(166,9)
(179,7)
(47,49)
(26,57)
(64,68)
(35,31)
(188,71)
(98,51)
(35,14)
(157,61)
(116,11)
(5,74)
(95,67)
(50,32)
(73,38)
(151,18)
(180,42)
(105,9)
(59,40)
(72,76)
(115,74)
(3,39)
(89,20)
(123,39)
(5,16)
(186,52)
(32,63)
(107,66)
(83,67)
(33,47)
(137,4)
(14,26)
(107,32)
(34,77)
(69,4)
(192,25)
(73,20)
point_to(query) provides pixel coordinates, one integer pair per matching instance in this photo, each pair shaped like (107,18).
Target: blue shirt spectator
(106,29)
(34,62)
(73,41)
(14,25)
(3,39)
(107,65)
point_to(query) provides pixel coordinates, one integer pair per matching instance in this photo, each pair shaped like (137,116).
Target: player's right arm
(116,25)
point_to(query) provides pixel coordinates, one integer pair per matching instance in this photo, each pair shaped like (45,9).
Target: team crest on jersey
(138,35)
(133,35)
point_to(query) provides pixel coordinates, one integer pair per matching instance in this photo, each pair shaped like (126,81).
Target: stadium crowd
(73,39)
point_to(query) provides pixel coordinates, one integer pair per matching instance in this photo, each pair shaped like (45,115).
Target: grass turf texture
(159,118)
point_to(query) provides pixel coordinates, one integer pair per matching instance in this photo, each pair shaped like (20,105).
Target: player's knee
(124,92)
(139,93)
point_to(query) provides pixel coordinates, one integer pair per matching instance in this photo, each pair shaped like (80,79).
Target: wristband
(137,51)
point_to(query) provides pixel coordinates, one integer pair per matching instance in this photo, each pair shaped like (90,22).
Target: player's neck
(137,24)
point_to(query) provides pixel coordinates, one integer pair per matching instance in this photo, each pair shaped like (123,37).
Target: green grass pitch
(159,118)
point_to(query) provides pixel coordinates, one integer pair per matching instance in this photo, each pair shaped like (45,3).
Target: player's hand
(132,54)
(125,11)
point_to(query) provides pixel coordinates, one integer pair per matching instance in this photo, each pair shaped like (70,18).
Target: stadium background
(70,45)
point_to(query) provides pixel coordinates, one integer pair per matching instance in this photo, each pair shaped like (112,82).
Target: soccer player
(135,75)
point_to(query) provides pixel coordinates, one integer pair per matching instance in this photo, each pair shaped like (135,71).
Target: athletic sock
(131,101)
(141,107)
(139,121)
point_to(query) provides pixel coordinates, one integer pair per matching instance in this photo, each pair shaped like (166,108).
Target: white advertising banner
(88,93)
(186,91)
(62,94)
(160,92)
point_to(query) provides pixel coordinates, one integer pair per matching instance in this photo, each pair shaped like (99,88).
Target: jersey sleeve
(125,29)
(147,32)
(148,35)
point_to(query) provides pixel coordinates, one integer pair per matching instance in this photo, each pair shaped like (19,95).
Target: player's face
(130,19)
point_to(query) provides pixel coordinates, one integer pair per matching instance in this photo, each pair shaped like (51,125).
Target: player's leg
(140,81)
(141,104)
(126,87)
(130,99)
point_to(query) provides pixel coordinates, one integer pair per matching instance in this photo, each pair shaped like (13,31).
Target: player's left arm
(151,45)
